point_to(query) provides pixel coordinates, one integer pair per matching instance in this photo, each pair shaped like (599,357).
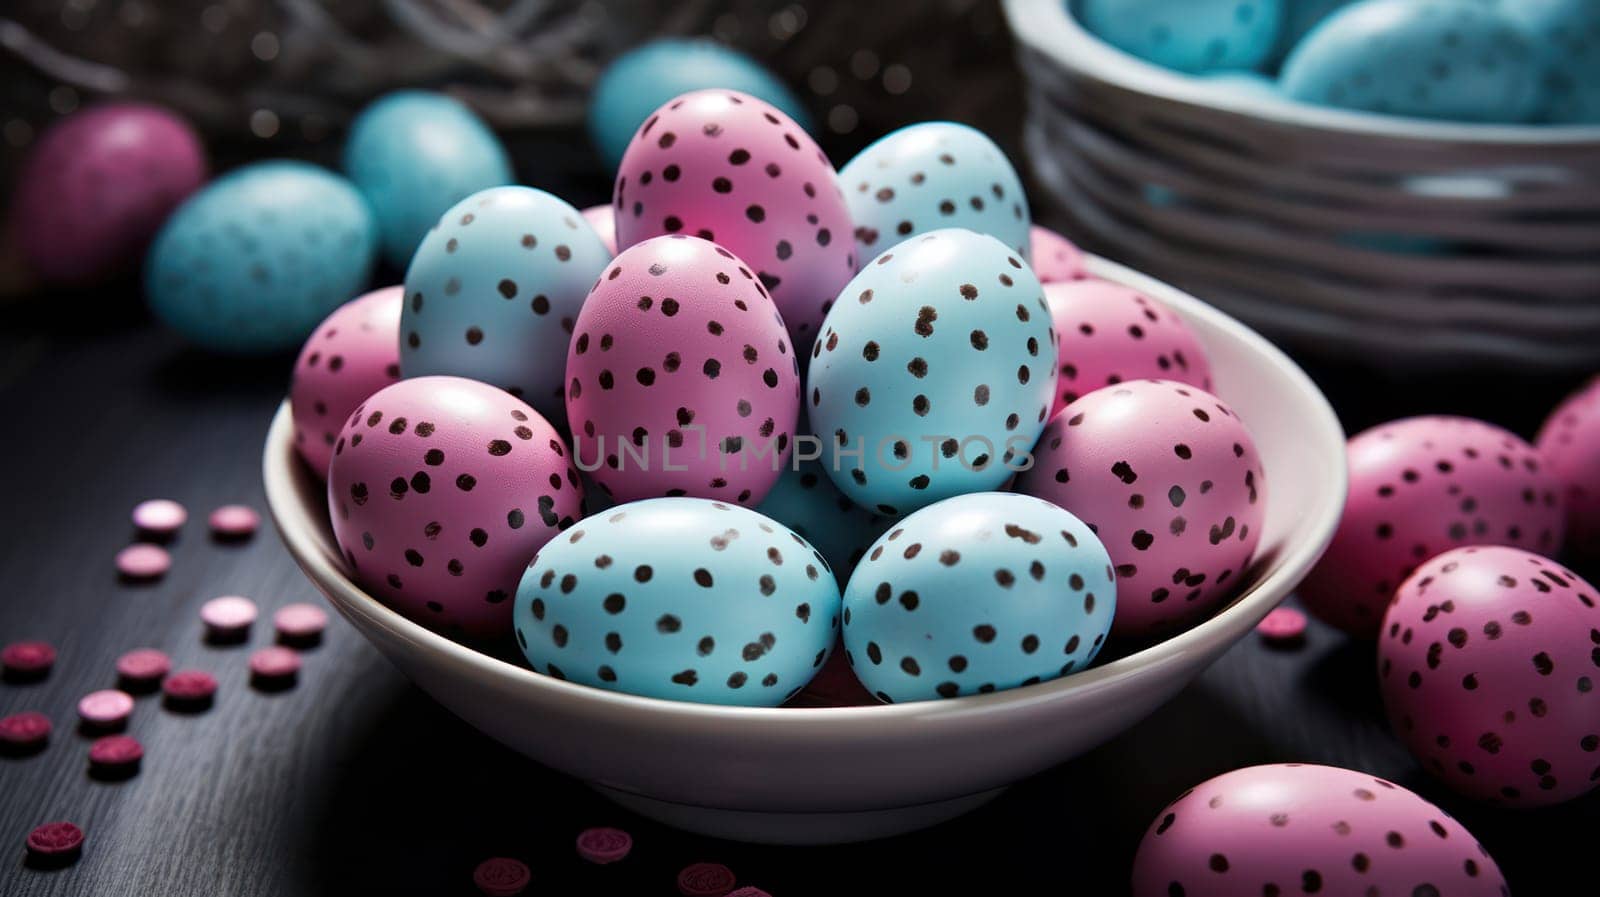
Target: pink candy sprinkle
(143,669)
(55,841)
(230,615)
(1284,625)
(115,754)
(234,522)
(24,731)
(159,517)
(501,877)
(105,709)
(300,623)
(706,880)
(27,660)
(274,665)
(143,562)
(604,845)
(190,687)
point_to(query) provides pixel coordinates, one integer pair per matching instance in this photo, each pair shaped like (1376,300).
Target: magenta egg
(681,378)
(1420,486)
(98,185)
(1570,440)
(1170,479)
(725,166)
(604,221)
(352,354)
(441,491)
(1488,661)
(1296,828)
(1111,333)
(1055,258)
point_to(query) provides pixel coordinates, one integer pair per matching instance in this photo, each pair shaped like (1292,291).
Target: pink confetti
(234,522)
(190,689)
(27,660)
(300,623)
(1284,625)
(106,709)
(115,755)
(143,562)
(604,845)
(56,841)
(24,732)
(230,615)
(706,880)
(143,669)
(159,517)
(274,666)
(501,877)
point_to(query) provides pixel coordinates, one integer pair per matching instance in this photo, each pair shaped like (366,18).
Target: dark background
(355,782)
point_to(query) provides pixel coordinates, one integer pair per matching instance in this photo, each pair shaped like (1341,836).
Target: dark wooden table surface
(356,783)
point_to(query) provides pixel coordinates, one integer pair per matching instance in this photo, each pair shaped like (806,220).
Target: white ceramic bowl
(787,775)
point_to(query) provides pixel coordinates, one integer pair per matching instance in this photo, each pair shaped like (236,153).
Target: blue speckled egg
(937,367)
(932,175)
(252,263)
(494,291)
(643,79)
(1188,35)
(977,593)
(1566,35)
(1442,59)
(687,599)
(413,154)
(806,501)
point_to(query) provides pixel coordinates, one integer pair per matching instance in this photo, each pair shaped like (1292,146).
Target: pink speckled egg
(1293,828)
(1570,440)
(1488,662)
(352,354)
(1419,486)
(1170,480)
(1111,333)
(98,185)
(1055,258)
(680,377)
(725,166)
(441,490)
(604,221)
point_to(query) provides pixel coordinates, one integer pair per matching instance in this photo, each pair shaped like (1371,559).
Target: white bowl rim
(280,466)
(1049,27)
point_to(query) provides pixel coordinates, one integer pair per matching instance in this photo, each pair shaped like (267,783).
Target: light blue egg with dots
(686,599)
(255,260)
(1188,35)
(414,154)
(934,372)
(1566,36)
(1452,60)
(976,594)
(643,79)
(805,500)
(933,175)
(494,290)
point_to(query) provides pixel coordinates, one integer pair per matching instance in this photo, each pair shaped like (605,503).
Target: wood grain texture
(356,783)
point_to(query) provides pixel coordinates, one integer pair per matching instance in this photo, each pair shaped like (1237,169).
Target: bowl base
(799,828)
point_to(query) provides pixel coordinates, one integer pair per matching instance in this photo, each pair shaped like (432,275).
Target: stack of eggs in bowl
(763,432)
